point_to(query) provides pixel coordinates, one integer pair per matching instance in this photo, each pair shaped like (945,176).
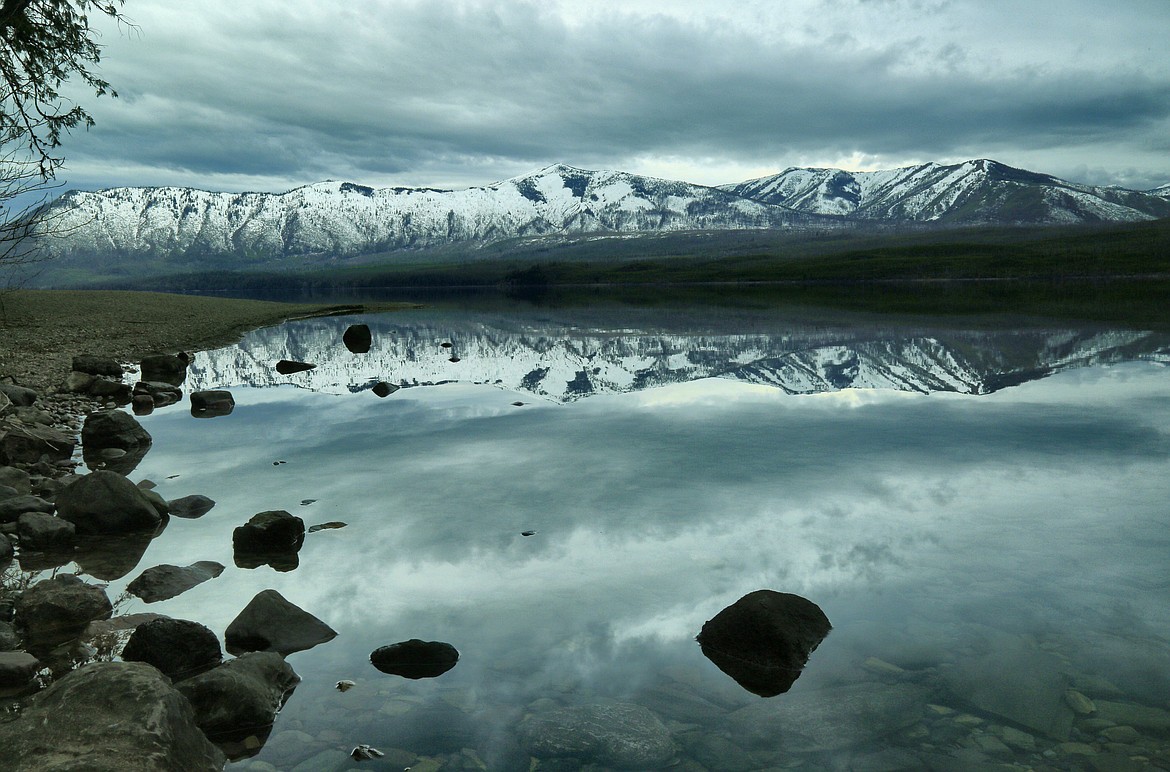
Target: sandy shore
(41,330)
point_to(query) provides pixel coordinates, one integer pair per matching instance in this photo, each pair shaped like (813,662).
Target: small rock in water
(278,463)
(383,389)
(307,502)
(358,339)
(453,359)
(345,685)
(517,404)
(326,526)
(528,533)
(288,367)
(445,344)
(415,659)
(213,403)
(364,752)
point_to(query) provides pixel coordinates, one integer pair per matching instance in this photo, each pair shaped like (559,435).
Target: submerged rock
(167,581)
(357,338)
(177,647)
(764,639)
(415,658)
(271,623)
(108,717)
(619,735)
(829,719)
(112,557)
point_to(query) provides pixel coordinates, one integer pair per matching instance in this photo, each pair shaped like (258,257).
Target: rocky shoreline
(171,713)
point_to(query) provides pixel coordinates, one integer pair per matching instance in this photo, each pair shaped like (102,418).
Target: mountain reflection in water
(980,557)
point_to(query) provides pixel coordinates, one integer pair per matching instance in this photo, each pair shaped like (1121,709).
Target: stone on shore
(179,648)
(164,368)
(18,395)
(13,507)
(21,444)
(241,697)
(271,623)
(39,531)
(619,736)
(17,479)
(17,668)
(95,365)
(57,610)
(167,581)
(6,550)
(112,429)
(108,717)
(105,502)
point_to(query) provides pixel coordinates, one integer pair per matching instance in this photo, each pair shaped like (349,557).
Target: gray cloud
(465,93)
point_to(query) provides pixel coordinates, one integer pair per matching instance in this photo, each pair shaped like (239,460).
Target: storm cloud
(267,96)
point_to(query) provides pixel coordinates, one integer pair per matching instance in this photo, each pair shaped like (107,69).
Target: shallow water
(971,509)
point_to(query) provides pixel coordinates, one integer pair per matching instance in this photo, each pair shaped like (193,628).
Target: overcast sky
(268,95)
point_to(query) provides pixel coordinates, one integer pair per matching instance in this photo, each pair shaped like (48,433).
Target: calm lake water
(982,513)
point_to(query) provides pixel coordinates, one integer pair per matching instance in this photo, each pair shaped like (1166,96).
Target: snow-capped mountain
(566,360)
(974,192)
(1163,191)
(343,219)
(185,229)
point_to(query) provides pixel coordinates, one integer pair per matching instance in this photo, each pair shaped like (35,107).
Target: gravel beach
(41,330)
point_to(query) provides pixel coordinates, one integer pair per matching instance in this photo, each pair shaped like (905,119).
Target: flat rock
(27,444)
(13,507)
(213,403)
(167,581)
(289,366)
(96,365)
(190,507)
(108,717)
(617,735)
(829,719)
(415,658)
(1131,714)
(17,479)
(1022,685)
(271,623)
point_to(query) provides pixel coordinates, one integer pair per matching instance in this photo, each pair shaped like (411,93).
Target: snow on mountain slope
(980,191)
(340,218)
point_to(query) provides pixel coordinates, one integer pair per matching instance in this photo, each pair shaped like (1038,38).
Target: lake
(566,496)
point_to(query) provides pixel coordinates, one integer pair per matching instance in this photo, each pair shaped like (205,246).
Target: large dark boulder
(273,537)
(39,531)
(271,623)
(95,365)
(108,717)
(415,658)
(357,338)
(764,639)
(105,502)
(112,429)
(167,581)
(617,736)
(213,403)
(58,609)
(164,368)
(177,647)
(241,697)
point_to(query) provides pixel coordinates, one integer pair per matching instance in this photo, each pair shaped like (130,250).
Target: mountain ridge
(169,229)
